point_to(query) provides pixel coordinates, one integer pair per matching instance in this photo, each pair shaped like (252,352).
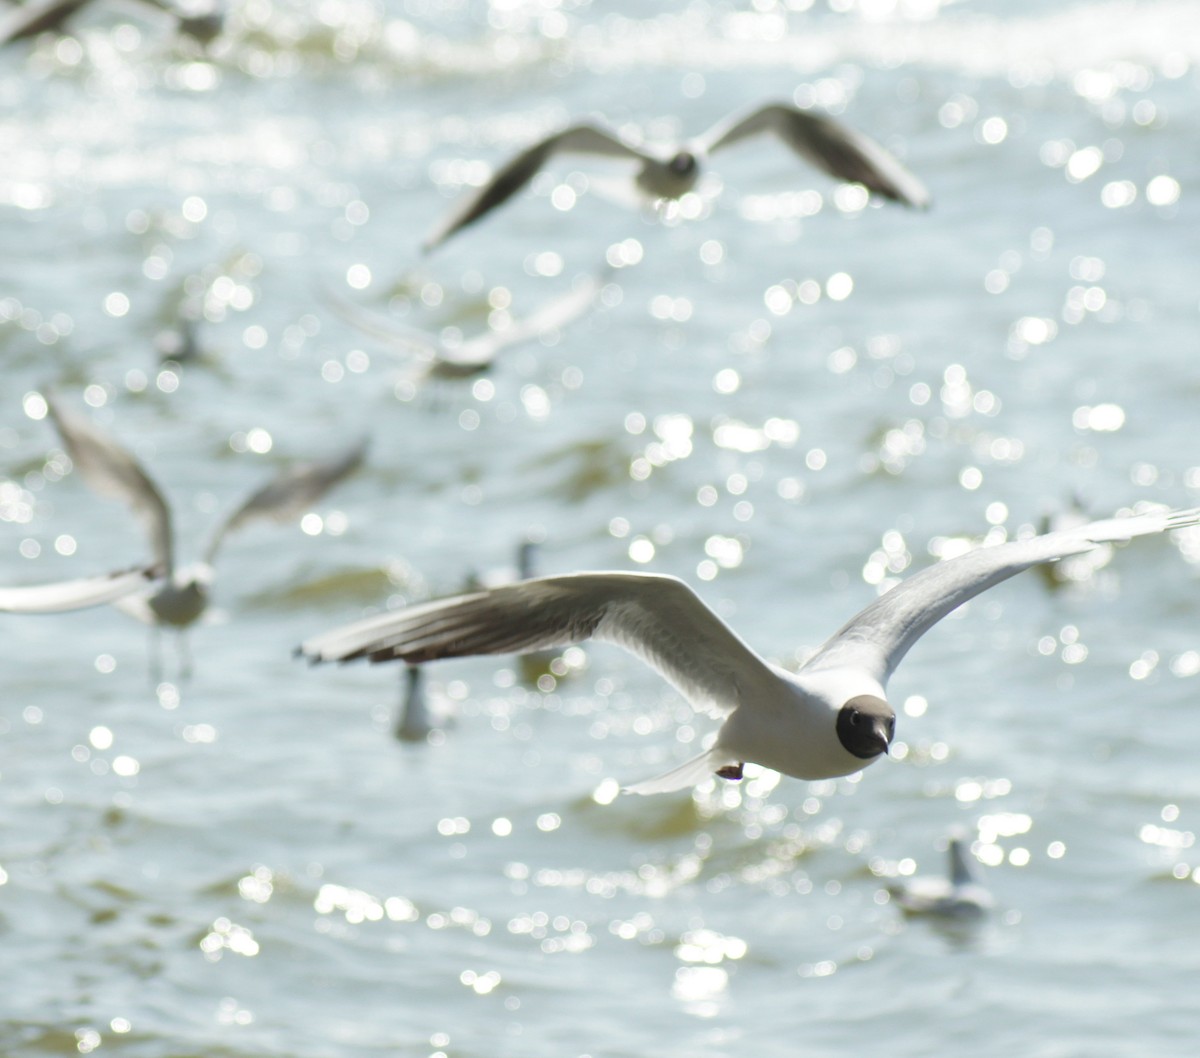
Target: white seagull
(828,719)
(111,470)
(66,595)
(474,355)
(671,172)
(958,895)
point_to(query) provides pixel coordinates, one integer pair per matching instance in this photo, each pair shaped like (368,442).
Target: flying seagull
(671,172)
(828,719)
(958,895)
(75,594)
(111,470)
(477,354)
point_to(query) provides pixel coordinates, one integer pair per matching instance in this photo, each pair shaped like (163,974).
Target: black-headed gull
(111,470)
(671,172)
(828,719)
(62,596)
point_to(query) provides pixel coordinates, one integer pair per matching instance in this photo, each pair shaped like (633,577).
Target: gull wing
(514,175)
(878,638)
(75,594)
(550,315)
(831,146)
(290,493)
(658,618)
(407,340)
(36,17)
(111,470)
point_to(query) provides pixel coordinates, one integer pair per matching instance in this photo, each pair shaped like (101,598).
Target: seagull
(477,354)
(111,470)
(76,594)
(828,719)
(960,895)
(671,172)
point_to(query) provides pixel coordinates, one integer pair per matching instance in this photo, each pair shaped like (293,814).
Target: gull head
(865,726)
(683,164)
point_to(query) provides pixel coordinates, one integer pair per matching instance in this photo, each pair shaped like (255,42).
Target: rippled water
(785,398)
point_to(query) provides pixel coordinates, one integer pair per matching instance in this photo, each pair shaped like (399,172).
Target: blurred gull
(669,172)
(959,895)
(1076,569)
(112,471)
(475,355)
(828,719)
(75,594)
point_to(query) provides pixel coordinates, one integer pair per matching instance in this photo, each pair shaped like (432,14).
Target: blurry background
(785,397)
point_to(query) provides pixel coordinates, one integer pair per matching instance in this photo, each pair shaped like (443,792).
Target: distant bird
(1078,568)
(671,172)
(828,719)
(958,895)
(477,354)
(75,594)
(111,470)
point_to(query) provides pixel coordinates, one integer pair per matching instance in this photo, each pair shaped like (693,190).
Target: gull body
(62,596)
(110,470)
(957,895)
(830,718)
(670,172)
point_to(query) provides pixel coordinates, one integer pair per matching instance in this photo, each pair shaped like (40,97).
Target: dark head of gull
(683,164)
(865,726)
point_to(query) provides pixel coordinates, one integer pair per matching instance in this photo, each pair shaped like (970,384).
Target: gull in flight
(110,470)
(668,173)
(828,719)
(475,355)
(959,895)
(76,594)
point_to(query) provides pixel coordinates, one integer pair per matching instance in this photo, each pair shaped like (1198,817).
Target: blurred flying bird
(110,470)
(828,719)
(75,594)
(958,895)
(669,172)
(475,355)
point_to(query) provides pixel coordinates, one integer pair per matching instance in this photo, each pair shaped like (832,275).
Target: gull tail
(688,774)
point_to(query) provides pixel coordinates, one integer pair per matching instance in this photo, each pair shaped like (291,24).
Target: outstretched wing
(75,594)
(549,316)
(291,493)
(831,146)
(36,17)
(513,176)
(111,470)
(658,618)
(879,637)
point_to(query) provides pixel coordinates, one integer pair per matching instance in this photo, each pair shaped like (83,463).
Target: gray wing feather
(110,470)
(658,618)
(290,493)
(30,19)
(514,175)
(831,146)
(879,637)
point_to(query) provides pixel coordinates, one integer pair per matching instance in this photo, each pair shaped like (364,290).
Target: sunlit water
(785,398)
